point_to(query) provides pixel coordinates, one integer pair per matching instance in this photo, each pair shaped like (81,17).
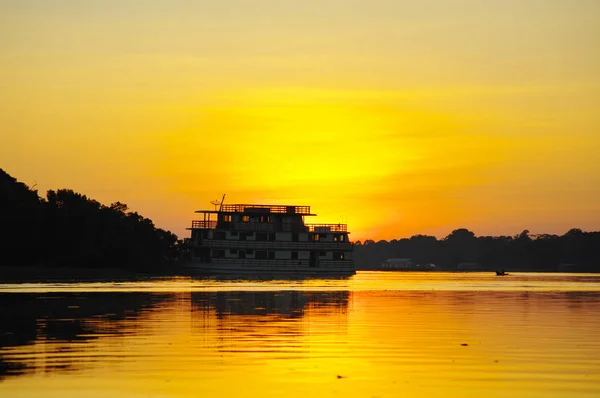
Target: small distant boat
(501,273)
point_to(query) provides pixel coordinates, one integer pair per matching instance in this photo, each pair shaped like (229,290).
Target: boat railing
(285,263)
(327,227)
(276,245)
(201,224)
(315,228)
(280,209)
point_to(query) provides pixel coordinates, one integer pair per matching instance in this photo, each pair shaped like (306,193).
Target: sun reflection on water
(312,338)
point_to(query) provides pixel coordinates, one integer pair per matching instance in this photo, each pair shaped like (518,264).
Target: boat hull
(200,268)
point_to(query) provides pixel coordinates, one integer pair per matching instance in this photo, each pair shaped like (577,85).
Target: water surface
(376,334)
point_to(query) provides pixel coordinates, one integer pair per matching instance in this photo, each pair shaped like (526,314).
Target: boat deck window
(339,238)
(261,254)
(218,253)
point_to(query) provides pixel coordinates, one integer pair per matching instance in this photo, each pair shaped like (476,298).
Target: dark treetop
(67,229)
(575,251)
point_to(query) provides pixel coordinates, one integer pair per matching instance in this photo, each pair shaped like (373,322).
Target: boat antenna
(221,205)
(215,203)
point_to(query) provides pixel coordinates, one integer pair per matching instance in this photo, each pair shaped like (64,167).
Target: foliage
(69,229)
(20,212)
(574,251)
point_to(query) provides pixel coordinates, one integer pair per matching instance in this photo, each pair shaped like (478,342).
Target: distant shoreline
(45,274)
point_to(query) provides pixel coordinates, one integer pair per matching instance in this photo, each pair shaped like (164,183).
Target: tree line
(576,250)
(68,229)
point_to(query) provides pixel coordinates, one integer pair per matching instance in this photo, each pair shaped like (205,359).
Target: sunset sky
(396,117)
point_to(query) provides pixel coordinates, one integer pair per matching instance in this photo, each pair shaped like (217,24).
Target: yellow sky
(396,117)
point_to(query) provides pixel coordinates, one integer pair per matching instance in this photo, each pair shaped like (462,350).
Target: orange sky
(394,117)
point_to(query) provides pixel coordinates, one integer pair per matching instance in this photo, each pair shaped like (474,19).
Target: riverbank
(15,274)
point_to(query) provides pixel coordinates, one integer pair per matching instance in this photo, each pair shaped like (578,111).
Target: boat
(501,273)
(262,239)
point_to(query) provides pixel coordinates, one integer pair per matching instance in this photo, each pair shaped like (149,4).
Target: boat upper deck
(260,209)
(318,228)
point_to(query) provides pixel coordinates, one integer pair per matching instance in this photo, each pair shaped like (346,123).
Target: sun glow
(415,119)
(336,151)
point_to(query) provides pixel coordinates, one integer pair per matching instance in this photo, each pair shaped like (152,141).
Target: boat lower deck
(251,268)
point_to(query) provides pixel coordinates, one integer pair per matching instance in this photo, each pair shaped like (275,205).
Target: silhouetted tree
(69,229)
(461,246)
(20,217)
(522,252)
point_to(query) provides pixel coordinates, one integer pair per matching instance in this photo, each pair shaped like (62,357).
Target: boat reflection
(284,303)
(59,332)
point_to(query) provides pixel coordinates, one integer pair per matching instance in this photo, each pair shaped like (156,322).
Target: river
(375,334)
